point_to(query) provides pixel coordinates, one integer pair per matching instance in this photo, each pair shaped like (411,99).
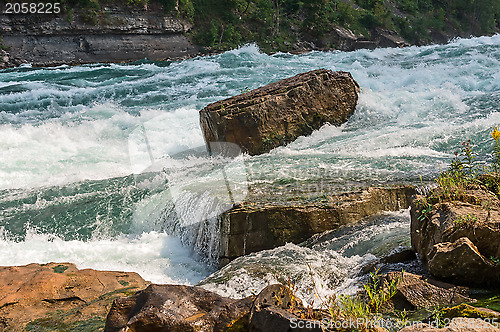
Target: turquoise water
(72,138)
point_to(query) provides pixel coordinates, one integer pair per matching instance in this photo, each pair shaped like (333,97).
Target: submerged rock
(58,296)
(459,239)
(278,113)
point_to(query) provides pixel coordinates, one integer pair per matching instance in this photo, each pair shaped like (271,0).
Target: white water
(60,127)
(319,268)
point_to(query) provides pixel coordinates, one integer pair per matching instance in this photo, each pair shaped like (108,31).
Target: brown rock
(57,295)
(273,310)
(459,239)
(176,308)
(341,38)
(279,296)
(278,113)
(415,292)
(454,260)
(259,225)
(276,319)
(388,38)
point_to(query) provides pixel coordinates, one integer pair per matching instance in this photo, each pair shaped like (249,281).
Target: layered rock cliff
(122,34)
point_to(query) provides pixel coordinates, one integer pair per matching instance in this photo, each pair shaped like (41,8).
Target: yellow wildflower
(495,134)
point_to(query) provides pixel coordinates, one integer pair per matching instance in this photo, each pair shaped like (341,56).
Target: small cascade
(189,201)
(326,264)
(191,218)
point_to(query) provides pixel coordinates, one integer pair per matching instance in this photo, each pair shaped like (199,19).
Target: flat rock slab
(278,113)
(256,225)
(58,296)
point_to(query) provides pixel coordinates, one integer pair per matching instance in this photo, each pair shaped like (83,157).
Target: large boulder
(458,238)
(58,296)
(278,113)
(453,260)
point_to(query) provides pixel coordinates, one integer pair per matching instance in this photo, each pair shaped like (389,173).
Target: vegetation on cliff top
(278,25)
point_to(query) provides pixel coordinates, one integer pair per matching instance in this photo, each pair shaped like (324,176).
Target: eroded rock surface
(259,225)
(416,292)
(176,308)
(58,296)
(458,239)
(278,113)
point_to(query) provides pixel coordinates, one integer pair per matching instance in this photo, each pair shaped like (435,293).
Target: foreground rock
(275,308)
(58,296)
(185,308)
(175,308)
(416,292)
(257,225)
(278,113)
(459,238)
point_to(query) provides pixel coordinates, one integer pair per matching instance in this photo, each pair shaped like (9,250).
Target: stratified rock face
(123,35)
(58,295)
(176,308)
(278,113)
(254,226)
(6,61)
(459,240)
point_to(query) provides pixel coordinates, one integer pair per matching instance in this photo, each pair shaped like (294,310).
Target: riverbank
(118,32)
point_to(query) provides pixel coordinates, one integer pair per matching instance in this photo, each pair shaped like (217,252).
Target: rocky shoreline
(127,34)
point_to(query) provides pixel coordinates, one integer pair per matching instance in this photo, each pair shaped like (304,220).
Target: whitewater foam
(61,127)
